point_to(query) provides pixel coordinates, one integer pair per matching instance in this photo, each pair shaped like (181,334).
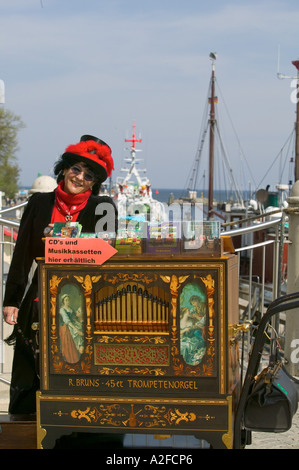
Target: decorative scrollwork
(124,277)
(135,339)
(128,370)
(132,415)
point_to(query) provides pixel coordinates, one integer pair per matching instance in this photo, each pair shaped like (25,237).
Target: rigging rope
(278,155)
(193,174)
(242,154)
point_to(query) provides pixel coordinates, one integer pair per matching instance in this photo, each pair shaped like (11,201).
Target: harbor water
(162,194)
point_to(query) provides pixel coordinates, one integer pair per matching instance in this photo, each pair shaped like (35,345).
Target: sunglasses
(87,175)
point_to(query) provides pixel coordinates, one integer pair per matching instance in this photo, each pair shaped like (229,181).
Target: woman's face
(66,300)
(78,179)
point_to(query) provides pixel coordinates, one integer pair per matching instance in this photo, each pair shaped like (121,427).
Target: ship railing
(277,226)
(255,294)
(9,223)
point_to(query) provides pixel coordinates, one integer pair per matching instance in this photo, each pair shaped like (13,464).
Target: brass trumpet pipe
(109,316)
(118,306)
(134,303)
(104,310)
(155,317)
(144,310)
(140,305)
(149,308)
(129,304)
(113,307)
(123,305)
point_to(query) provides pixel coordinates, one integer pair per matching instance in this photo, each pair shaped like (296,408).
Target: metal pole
(262,299)
(292,320)
(297,136)
(212,137)
(296,64)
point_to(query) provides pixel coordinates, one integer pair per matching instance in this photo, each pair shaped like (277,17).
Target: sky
(74,67)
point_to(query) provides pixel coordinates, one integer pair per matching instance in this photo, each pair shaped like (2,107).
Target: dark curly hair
(61,165)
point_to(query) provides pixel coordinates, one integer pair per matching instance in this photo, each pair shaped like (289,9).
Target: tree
(10,124)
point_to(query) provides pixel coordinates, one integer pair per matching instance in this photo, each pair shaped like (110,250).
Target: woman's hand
(48,231)
(11,315)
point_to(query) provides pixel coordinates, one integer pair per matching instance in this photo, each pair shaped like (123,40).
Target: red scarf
(67,206)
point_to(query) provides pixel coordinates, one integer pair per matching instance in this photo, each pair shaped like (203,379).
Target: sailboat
(210,129)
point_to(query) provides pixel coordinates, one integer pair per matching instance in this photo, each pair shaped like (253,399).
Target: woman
(70,331)
(80,171)
(192,344)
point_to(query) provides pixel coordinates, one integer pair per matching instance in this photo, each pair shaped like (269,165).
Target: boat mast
(133,140)
(296,64)
(212,122)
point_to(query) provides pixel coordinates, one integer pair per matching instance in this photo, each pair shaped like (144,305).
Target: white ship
(133,191)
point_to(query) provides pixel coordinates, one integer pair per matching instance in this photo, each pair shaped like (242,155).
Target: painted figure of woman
(192,326)
(70,331)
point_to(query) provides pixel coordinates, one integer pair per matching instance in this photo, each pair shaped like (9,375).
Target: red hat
(94,152)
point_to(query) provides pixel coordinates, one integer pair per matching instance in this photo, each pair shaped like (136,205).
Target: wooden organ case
(139,345)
